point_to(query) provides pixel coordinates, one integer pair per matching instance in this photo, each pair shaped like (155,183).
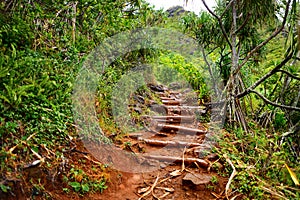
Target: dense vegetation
(44,43)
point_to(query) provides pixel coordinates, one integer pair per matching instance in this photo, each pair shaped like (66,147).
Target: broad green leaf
(85,187)
(75,185)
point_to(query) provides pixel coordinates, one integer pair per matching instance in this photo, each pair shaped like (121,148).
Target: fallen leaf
(293,175)
(143,190)
(167,189)
(176,173)
(164,195)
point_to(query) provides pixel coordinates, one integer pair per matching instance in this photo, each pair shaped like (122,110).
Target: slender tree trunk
(235,110)
(74,22)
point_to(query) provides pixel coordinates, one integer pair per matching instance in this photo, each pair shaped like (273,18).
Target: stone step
(178,160)
(161,143)
(186,107)
(174,119)
(168,98)
(171,102)
(180,129)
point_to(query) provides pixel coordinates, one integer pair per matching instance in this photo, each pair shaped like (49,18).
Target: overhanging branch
(273,103)
(243,24)
(219,20)
(289,74)
(274,34)
(270,73)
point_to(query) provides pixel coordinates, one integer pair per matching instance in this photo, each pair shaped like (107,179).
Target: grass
(259,158)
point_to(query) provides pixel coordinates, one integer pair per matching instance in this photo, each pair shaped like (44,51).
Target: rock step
(186,107)
(168,98)
(163,121)
(174,119)
(179,160)
(171,102)
(185,110)
(162,143)
(180,129)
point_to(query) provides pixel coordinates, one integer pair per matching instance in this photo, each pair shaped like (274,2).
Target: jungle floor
(170,159)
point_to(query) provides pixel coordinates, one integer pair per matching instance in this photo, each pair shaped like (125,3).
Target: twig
(262,79)
(274,34)
(231,176)
(220,22)
(273,103)
(233,198)
(151,189)
(37,155)
(31,136)
(90,159)
(289,74)
(22,142)
(182,165)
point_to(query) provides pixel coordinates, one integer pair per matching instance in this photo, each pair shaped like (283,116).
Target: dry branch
(262,79)
(273,103)
(150,189)
(169,143)
(199,161)
(231,176)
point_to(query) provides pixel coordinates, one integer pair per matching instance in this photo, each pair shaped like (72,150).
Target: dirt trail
(171,147)
(164,162)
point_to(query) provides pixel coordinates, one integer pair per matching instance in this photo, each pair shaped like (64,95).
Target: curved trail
(170,144)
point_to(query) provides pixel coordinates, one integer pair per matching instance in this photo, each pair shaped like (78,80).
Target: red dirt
(127,185)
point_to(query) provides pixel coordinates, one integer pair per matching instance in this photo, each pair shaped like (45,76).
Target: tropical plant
(239,32)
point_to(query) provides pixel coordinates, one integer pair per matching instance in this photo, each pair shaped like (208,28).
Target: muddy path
(170,151)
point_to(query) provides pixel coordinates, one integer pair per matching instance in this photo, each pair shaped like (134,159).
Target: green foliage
(42,45)
(15,34)
(35,95)
(81,183)
(259,159)
(173,68)
(203,27)
(4,188)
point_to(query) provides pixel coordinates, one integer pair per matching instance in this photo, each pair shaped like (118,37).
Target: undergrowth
(41,51)
(259,158)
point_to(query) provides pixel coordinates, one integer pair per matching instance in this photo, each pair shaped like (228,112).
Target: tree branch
(289,74)
(274,34)
(219,20)
(210,70)
(270,73)
(244,23)
(275,104)
(227,7)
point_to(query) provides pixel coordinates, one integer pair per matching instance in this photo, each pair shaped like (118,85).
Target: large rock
(175,11)
(196,181)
